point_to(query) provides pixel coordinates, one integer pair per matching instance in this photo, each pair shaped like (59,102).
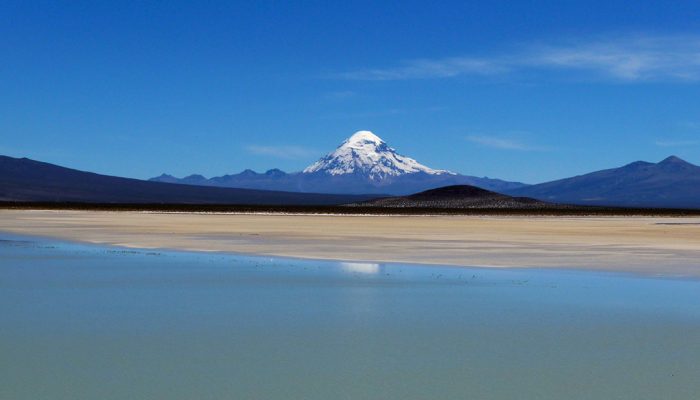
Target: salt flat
(659,246)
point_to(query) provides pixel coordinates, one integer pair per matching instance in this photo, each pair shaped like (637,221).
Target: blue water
(90,322)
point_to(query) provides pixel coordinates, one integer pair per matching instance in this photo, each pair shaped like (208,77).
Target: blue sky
(528,90)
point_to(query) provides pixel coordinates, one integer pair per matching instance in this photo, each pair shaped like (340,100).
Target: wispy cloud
(365,114)
(285,152)
(340,95)
(503,143)
(422,69)
(677,143)
(630,59)
(383,113)
(689,125)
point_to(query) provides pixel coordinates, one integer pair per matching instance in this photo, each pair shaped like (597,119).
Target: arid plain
(649,245)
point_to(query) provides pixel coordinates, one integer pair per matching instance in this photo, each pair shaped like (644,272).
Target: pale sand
(664,246)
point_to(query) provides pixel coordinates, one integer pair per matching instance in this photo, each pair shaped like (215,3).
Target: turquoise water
(90,322)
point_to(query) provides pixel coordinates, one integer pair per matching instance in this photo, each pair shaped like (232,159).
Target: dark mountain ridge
(22,179)
(672,182)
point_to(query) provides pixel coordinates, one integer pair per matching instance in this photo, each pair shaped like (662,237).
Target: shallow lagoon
(91,322)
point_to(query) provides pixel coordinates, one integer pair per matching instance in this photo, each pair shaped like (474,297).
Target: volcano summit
(365,153)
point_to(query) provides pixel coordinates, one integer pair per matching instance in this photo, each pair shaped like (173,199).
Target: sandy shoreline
(648,245)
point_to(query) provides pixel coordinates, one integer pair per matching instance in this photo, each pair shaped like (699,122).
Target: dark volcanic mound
(458,196)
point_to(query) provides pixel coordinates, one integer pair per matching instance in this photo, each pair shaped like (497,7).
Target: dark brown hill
(459,196)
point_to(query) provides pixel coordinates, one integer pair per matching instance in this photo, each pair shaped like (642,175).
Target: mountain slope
(672,183)
(22,179)
(459,196)
(363,163)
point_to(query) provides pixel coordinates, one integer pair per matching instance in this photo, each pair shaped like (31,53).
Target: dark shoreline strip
(355,210)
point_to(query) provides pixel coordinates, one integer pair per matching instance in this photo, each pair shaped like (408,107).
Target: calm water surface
(90,322)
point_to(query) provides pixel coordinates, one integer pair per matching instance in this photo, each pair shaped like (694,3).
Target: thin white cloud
(383,113)
(285,152)
(677,143)
(630,59)
(367,114)
(340,95)
(690,125)
(422,69)
(503,143)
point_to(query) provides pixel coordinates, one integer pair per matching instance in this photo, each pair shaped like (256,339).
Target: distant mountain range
(363,163)
(22,179)
(672,183)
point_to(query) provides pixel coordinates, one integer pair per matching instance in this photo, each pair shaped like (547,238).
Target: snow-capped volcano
(365,153)
(362,164)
